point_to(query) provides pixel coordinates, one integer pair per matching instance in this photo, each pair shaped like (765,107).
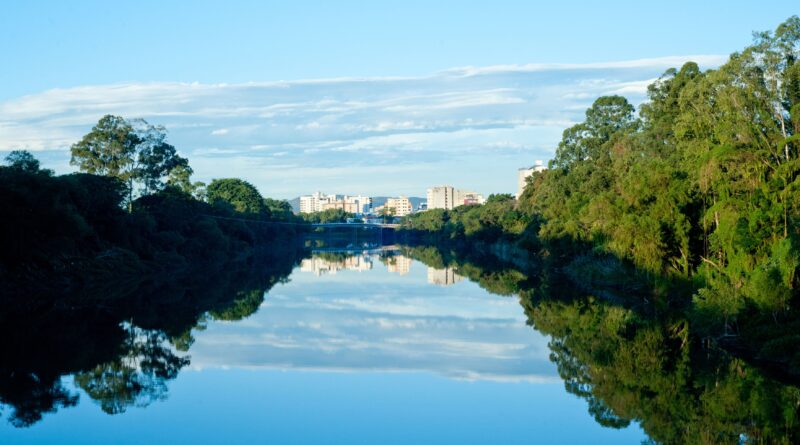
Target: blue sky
(351,97)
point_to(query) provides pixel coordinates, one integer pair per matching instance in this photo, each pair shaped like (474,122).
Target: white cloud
(706,60)
(501,117)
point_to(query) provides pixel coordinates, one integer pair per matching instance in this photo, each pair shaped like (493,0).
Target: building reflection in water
(398,264)
(323,265)
(443,277)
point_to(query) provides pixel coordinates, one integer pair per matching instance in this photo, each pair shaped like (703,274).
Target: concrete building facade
(448,198)
(361,204)
(524,173)
(440,197)
(399,206)
(318,202)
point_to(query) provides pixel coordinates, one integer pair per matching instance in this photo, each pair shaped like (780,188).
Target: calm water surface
(353,351)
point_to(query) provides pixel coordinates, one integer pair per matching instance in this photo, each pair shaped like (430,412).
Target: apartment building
(448,198)
(318,202)
(399,206)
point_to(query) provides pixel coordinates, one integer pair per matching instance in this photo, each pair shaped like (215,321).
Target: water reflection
(443,277)
(420,311)
(330,263)
(398,264)
(332,316)
(120,343)
(632,366)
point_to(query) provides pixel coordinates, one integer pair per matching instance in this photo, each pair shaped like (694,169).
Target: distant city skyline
(351,98)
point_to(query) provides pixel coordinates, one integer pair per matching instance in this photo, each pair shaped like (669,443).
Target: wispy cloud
(497,117)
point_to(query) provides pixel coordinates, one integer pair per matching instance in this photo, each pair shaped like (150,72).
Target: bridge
(333,233)
(338,235)
(356,225)
(323,225)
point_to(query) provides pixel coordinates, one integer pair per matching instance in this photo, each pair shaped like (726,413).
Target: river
(349,349)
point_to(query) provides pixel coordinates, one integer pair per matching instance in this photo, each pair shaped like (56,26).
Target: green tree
(22,160)
(181,177)
(387,212)
(279,208)
(327,216)
(608,116)
(135,152)
(238,195)
(156,159)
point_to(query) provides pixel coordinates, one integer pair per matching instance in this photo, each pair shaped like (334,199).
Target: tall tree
(135,152)
(23,160)
(609,115)
(156,159)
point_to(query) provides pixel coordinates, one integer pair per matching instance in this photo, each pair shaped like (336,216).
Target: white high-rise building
(363,204)
(310,203)
(524,173)
(318,202)
(440,197)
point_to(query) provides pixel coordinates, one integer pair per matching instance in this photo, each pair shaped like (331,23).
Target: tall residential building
(399,206)
(362,204)
(440,197)
(313,203)
(349,207)
(524,173)
(448,198)
(319,202)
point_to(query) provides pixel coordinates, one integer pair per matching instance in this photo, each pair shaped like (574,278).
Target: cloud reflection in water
(345,316)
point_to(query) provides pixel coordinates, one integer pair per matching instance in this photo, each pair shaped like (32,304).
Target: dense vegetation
(134,210)
(498,218)
(638,366)
(327,216)
(700,190)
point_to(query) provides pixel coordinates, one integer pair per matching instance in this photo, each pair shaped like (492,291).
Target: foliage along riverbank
(134,212)
(697,197)
(634,365)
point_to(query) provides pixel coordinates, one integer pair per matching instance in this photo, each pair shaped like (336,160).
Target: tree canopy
(237,194)
(22,160)
(135,152)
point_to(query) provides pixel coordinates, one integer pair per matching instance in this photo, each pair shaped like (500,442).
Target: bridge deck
(355,225)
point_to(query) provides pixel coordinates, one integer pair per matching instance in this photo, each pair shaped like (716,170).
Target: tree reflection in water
(630,364)
(124,345)
(137,377)
(640,365)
